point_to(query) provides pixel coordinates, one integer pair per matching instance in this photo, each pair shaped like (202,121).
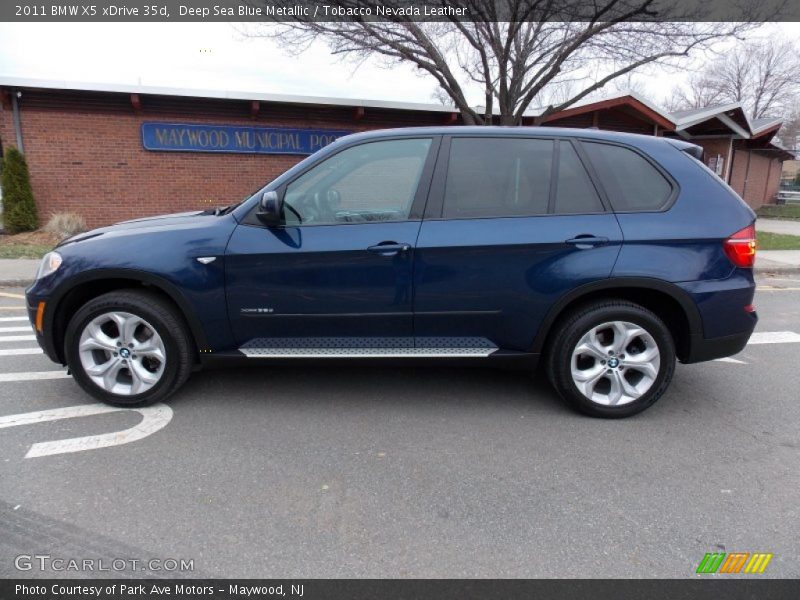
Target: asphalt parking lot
(405,472)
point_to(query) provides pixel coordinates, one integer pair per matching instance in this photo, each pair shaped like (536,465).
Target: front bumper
(45,342)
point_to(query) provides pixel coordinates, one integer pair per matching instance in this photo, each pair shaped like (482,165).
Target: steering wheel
(293,210)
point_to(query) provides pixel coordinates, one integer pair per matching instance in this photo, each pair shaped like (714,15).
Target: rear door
(512,224)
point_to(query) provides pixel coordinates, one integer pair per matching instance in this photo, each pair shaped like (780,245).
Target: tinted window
(630,181)
(490,177)
(366,183)
(574,190)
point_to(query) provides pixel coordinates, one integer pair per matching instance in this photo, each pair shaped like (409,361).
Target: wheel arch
(82,288)
(672,304)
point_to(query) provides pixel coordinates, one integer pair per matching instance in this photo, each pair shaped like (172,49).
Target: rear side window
(491,177)
(631,182)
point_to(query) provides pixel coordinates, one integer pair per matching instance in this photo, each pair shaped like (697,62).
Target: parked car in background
(603,256)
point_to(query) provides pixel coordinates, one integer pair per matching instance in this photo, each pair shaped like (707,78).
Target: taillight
(741,247)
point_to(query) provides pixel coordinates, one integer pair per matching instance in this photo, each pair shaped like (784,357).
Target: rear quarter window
(631,182)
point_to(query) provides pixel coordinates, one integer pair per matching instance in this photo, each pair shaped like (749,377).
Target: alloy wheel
(122,353)
(615,363)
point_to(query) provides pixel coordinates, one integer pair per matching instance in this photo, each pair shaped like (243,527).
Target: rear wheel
(612,359)
(128,348)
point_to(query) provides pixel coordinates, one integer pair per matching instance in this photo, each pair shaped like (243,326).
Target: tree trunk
(468,118)
(508,119)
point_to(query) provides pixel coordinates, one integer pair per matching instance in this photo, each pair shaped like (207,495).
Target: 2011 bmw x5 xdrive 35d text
(605,255)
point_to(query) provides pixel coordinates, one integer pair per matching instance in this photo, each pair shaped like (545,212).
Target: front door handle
(586,241)
(389,248)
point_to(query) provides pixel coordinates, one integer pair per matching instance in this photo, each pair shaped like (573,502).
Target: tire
(592,380)
(94,342)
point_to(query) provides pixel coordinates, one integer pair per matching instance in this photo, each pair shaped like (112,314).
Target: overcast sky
(217,56)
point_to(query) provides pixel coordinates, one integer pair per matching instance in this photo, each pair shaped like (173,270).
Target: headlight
(50,264)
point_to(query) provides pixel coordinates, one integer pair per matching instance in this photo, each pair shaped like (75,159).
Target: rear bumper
(702,349)
(727,317)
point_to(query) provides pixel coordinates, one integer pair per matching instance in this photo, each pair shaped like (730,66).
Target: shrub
(64,225)
(19,209)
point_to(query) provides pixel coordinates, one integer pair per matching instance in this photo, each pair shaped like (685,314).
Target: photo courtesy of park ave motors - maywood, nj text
(380,298)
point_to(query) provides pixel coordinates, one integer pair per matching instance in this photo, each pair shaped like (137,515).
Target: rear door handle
(389,248)
(586,241)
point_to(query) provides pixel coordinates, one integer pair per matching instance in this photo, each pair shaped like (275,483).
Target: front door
(337,275)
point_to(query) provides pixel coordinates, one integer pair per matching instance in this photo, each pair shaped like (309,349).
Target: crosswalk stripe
(9,319)
(17,338)
(13,308)
(774,337)
(10,295)
(14,329)
(20,351)
(32,376)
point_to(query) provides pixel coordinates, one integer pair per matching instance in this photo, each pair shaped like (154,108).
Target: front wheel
(128,348)
(612,359)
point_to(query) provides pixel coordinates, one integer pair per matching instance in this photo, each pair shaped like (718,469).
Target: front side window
(631,182)
(367,183)
(493,177)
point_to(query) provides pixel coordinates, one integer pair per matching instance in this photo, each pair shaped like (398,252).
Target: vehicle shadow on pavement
(374,385)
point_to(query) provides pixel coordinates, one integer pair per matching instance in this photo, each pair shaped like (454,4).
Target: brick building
(114,152)
(789,171)
(740,150)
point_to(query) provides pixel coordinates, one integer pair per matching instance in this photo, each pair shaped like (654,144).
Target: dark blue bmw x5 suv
(605,255)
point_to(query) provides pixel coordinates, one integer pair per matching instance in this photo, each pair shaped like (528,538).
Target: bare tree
(789,134)
(441,97)
(631,83)
(764,75)
(697,93)
(516,52)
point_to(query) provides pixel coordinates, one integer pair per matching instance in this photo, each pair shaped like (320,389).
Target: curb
(775,270)
(15,282)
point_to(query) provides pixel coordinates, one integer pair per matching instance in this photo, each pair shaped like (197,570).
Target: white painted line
(19,329)
(17,338)
(154,418)
(774,337)
(728,359)
(32,376)
(13,308)
(10,295)
(9,319)
(20,351)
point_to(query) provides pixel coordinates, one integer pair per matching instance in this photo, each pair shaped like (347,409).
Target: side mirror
(270,209)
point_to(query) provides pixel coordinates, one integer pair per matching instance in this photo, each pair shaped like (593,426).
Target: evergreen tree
(19,208)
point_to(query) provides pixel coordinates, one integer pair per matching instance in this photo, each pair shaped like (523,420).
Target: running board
(443,347)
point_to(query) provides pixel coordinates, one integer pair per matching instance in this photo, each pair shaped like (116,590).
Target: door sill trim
(367,352)
(365,347)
